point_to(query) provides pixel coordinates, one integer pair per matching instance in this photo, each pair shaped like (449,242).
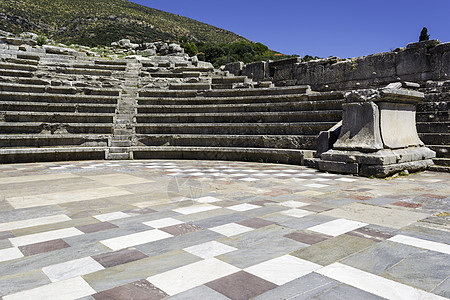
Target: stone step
(183,98)
(25,155)
(119,156)
(444,162)
(22,61)
(433,127)
(52,140)
(288,156)
(235,128)
(230,79)
(125,137)
(24,88)
(435,138)
(89,72)
(190,86)
(258,92)
(442,151)
(256,107)
(28,56)
(62,117)
(243,117)
(120,143)
(193,69)
(56,107)
(119,150)
(251,141)
(56,98)
(17,67)
(45,127)
(122,131)
(15,73)
(116,62)
(100,67)
(25,80)
(436,116)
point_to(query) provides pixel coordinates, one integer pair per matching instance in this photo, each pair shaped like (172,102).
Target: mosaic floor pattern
(220,230)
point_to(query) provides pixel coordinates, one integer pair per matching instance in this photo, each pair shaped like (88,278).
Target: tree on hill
(424,36)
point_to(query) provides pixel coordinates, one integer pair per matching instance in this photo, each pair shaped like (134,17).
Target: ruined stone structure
(59,104)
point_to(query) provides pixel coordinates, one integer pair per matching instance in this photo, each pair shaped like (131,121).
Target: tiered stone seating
(433,122)
(44,118)
(277,124)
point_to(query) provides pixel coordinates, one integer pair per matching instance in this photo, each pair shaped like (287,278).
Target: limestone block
(398,125)
(373,66)
(412,61)
(386,170)
(382,157)
(256,71)
(234,68)
(360,127)
(338,167)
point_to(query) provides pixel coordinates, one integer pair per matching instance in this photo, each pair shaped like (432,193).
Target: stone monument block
(378,136)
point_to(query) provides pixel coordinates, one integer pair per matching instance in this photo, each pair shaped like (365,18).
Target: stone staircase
(433,122)
(125,116)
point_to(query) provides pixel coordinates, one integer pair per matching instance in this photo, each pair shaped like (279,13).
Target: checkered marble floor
(219,230)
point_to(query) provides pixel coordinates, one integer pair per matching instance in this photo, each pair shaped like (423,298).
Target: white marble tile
(374,284)
(420,243)
(231,229)
(10,254)
(283,269)
(134,239)
(118,179)
(321,179)
(297,213)
(344,179)
(44,236)
(72,268)
(209,249)
(261,175)
(243,207)
(337,227)
(33,222)
(281,174)
(184,278)
(65,197)
(294,204)
(161,223)
(249,179)
(112,216)
(207,199)
(73,288)
(195,209)
(316,185)
(31,178)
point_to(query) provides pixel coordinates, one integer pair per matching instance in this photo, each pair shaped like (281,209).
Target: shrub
(41,40)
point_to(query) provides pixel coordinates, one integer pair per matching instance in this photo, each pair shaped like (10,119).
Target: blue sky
(346,28)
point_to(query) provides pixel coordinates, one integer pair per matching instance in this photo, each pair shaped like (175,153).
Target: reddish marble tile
(357,197)
(118,257)
(241,286)
(407,204)
(255,223)
(43,247)
(316,208)
(138,290)
(306,237)
(225,203)
(262,202)
(371,234)
(90,228)
(433,196)
(180,229)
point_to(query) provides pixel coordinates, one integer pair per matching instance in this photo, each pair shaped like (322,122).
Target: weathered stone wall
(418,62)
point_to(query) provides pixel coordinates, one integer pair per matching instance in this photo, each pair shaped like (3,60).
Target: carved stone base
(381,163)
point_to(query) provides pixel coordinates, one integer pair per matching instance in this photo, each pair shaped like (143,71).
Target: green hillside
(100,22)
